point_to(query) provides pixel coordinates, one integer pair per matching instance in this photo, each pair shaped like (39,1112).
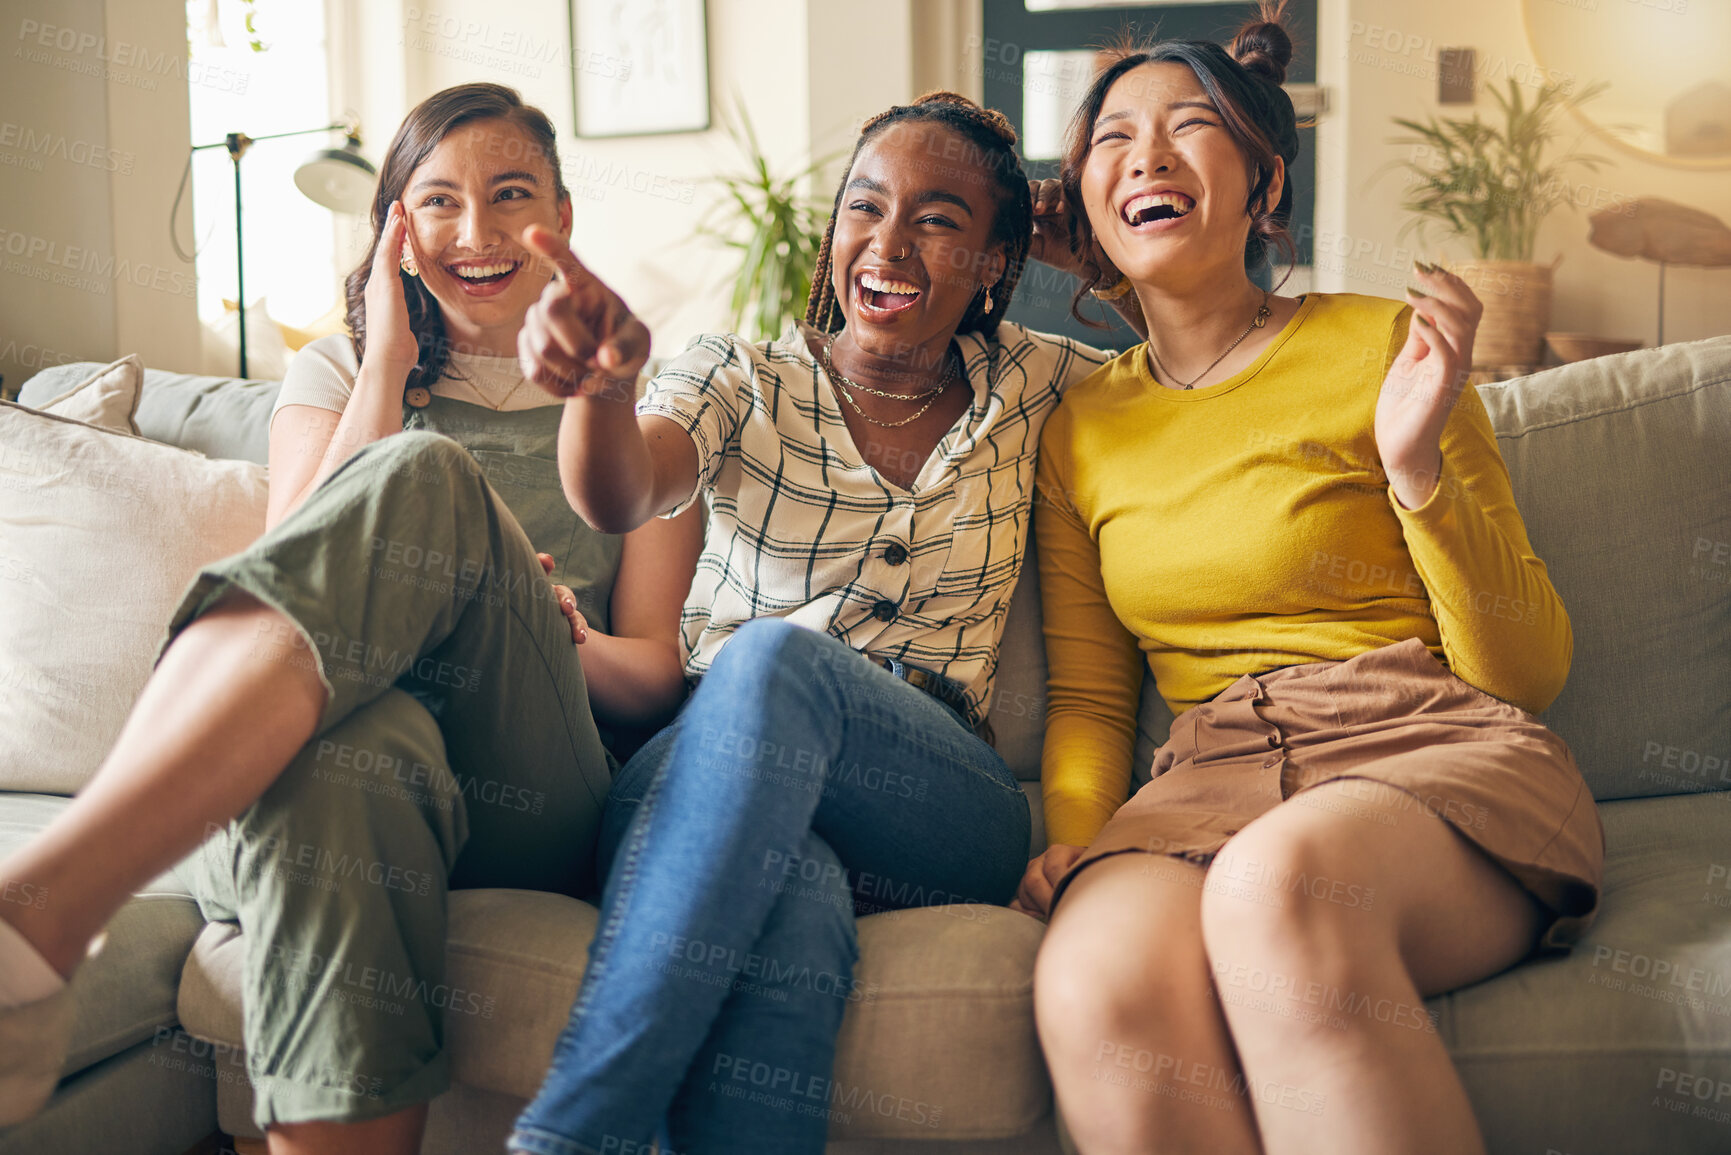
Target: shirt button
(896,553)
(418,397)
(885,611)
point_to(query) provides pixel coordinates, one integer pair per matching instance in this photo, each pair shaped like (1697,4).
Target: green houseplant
(1491,184)
(775,228)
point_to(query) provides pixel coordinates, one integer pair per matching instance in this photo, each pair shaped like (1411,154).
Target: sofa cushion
(100,533)
(216,416)
(940,1043)
(107,398)
(127,992)
(1624,1045)
(1622,469)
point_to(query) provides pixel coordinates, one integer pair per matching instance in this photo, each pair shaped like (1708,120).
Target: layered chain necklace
(931,395)
(1262,314)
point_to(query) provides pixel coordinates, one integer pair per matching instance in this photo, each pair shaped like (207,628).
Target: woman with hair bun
(1291,512)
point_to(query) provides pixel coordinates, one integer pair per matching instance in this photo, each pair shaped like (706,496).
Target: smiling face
(913,237)
(468,202)
(1164,183)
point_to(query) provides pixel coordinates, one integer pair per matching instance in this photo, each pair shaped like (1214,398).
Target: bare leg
(1325,932)
(398,1134)
(226,709)
(1139,1053)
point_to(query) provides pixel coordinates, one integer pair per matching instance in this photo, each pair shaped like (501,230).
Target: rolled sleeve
(700,392)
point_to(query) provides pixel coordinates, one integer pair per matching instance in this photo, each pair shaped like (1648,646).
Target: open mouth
(1153,208)
(483,278)
(883,296)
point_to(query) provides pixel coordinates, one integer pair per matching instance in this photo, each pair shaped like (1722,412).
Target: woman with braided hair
(1292,513)
(868,477)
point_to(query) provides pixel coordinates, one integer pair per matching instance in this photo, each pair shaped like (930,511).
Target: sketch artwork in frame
(639,66)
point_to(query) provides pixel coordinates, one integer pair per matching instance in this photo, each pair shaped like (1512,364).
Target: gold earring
(988,298)
(408,263)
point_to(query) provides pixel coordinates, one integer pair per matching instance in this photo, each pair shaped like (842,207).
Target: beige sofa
(1621,466)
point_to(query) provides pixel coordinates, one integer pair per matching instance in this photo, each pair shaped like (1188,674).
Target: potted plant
(777,231)
(1491,185)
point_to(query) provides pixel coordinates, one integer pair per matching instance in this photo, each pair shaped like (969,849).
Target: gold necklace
(1256,322)
(931,395)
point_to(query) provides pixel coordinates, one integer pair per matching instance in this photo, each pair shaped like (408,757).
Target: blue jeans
(800,779)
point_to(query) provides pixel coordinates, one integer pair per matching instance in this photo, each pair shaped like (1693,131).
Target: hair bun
(1263,45)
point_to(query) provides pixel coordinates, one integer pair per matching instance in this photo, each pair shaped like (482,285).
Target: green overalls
(457,748)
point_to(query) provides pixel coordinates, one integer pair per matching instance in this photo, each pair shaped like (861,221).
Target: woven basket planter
(1517,300)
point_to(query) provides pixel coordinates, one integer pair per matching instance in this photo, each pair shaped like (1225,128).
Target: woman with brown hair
(385,697)
(1292,513)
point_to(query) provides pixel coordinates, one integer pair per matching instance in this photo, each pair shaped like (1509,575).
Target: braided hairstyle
(1245,85)
(994,139)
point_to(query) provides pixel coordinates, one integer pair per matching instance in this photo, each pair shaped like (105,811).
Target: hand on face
(580,336)
(1424,383)
(391,347)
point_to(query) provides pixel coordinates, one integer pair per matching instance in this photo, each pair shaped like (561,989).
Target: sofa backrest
(1622,469)
(217,416)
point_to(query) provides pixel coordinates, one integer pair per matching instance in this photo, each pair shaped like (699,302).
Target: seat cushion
(1622,469)
(1623,1045)
(939,1045)
(126,993)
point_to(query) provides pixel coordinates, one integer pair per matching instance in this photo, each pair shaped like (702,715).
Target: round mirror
(1668,86)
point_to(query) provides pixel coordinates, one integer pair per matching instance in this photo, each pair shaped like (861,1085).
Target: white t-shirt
(322,375)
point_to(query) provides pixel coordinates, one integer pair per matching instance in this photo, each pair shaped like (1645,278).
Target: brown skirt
(1395,718)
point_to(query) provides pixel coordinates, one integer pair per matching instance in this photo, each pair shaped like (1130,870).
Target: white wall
(93,133)
(1379,58)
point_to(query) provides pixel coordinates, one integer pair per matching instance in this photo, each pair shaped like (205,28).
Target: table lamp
(1656,229)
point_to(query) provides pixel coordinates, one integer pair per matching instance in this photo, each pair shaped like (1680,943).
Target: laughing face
(1165,184)
(468,202)
(912,244)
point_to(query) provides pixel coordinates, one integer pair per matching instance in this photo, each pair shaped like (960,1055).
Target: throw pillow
(100,533)
(107,398)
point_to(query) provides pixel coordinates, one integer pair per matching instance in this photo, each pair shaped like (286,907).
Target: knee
(419,455)
(1089,997)
(1289,895)
(767,650)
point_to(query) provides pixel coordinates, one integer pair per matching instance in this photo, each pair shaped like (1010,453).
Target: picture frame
(639,67)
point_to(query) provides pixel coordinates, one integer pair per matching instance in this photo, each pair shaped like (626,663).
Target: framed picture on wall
(639,66)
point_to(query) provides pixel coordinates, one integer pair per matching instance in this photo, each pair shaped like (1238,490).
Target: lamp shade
(340,179)
(1656,229)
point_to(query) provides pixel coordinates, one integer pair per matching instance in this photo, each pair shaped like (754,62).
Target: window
(290,242)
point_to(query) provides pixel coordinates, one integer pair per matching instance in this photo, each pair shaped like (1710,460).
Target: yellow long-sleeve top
(1248,525)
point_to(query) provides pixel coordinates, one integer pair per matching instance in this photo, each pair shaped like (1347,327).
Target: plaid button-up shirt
(800,527)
